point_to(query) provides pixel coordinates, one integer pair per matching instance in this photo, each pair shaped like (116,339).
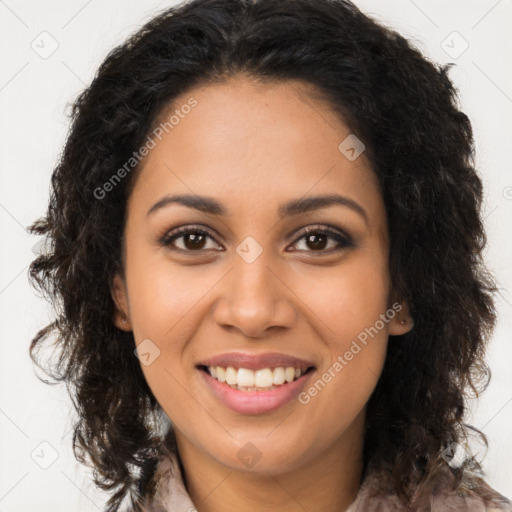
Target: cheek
(164,295)
(164,304)
(168,303)
(347,298)
(349,302)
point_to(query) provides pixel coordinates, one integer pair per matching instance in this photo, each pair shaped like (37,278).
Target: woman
(265,227)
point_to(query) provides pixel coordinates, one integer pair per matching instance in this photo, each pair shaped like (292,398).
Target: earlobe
(402,322)
(121,317)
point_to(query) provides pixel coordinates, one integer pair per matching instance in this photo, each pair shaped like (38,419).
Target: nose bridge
(253,299)
(252,288)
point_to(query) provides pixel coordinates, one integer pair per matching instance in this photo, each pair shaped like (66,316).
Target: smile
(264,379)
(248,391)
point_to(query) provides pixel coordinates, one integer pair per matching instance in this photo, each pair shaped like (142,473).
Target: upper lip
(256,361)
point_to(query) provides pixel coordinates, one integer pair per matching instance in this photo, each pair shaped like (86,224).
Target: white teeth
(245,378)
(250,380)
(262,378)
(231,374)
(279,376)
(221,374)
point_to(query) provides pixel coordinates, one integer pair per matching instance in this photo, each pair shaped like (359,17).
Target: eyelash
(344,241)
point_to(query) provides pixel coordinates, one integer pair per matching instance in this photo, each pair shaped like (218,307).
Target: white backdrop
(49,53)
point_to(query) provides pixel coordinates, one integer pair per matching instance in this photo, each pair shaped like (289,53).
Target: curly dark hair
(420,145)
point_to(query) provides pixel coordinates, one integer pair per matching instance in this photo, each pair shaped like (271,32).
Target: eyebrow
(294,207)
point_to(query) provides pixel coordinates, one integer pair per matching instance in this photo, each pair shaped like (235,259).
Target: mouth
(246,391)
(248,380)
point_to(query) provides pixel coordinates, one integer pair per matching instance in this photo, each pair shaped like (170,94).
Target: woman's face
(252,282)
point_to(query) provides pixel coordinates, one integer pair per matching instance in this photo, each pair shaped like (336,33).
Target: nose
(254,298)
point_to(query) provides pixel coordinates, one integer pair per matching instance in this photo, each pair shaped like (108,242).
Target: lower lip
(255,402)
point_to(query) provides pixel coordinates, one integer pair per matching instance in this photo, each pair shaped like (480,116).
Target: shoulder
(440,494)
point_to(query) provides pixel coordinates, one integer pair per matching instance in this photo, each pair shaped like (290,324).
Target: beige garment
(171,495)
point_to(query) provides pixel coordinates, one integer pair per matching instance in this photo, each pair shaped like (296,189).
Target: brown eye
(317,241)
(191,239)
(324,240)
(321,240)
(194,240)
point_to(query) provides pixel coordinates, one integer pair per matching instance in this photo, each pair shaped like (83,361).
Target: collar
(374,495)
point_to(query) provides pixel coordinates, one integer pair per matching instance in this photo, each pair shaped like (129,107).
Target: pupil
(314,245)
(194,241)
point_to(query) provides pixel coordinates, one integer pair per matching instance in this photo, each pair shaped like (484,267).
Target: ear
(121,317)
(402,322)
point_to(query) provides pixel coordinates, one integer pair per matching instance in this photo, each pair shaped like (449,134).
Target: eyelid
(175,233)
(343,239)
(320,228)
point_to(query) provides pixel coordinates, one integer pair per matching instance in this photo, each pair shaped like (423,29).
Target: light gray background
(35,88)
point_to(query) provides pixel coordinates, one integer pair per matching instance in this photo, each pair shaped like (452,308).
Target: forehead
(251,142)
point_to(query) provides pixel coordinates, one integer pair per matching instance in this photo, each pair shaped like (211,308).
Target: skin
(253,147)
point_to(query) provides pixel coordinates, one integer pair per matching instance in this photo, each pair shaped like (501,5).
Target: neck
(328,481)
